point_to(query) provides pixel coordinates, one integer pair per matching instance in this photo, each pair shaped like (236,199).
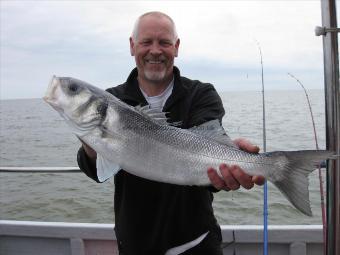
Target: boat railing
(9,169)
(40,238)
(52,238)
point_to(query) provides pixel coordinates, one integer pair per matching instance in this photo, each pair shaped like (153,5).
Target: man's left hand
(232,175)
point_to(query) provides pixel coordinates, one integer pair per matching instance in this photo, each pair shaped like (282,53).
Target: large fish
(140,141)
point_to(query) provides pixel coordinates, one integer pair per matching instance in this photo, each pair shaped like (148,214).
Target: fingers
(216,180)
(245,145)
(232,177)
(244,179)
(228,177)
(227,181)
(258,180)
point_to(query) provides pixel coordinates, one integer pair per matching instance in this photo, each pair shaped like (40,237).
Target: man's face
(154,49)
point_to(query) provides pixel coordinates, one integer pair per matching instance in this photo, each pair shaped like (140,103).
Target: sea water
(33,134)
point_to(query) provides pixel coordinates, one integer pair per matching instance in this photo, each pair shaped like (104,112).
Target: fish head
(80,104)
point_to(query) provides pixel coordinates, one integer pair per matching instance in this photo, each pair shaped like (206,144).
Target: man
(153,217)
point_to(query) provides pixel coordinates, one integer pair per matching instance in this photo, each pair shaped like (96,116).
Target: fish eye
(73,87)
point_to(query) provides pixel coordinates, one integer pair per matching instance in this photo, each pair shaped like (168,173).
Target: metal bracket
(324,30)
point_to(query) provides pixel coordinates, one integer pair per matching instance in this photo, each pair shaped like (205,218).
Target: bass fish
(142,142)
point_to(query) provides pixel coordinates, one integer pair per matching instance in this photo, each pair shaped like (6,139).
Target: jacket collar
(178,91)
(134,96)
(132,93)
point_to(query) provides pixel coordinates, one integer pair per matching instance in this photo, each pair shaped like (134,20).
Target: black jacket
(151,217)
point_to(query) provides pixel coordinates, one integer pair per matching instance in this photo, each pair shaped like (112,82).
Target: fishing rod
(265,187)
(322,196)
(323,208)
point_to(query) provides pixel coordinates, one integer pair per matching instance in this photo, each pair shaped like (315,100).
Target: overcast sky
(89,40)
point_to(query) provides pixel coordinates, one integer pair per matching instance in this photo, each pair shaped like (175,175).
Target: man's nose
(155,49)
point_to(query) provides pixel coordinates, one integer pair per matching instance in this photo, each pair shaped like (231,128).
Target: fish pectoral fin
(157,115)
(105,168)
(184,247)
(214,130)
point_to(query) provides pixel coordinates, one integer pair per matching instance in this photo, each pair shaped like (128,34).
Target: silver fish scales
(140,141)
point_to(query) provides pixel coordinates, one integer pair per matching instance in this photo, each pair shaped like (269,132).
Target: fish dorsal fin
(156,114)
(214,130)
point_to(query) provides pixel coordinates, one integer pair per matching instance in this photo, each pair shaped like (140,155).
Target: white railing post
(297,248)
(77,246)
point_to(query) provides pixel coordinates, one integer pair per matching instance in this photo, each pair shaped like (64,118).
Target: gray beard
(155,76)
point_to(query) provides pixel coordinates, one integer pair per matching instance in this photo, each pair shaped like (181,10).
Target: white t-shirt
(158,101)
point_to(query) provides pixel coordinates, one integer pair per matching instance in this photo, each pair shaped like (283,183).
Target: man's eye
(146,43)
(165,43)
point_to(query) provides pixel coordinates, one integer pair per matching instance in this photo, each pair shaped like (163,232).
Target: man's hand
(232,175)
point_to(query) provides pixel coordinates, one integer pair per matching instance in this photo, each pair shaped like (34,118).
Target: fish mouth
(49,95)
(53,104)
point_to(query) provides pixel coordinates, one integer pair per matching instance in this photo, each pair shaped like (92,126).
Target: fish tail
(292,175)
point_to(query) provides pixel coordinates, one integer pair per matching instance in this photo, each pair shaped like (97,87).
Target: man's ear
(177,47)
(132,44)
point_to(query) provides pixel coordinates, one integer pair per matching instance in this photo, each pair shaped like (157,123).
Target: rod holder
(324,30)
